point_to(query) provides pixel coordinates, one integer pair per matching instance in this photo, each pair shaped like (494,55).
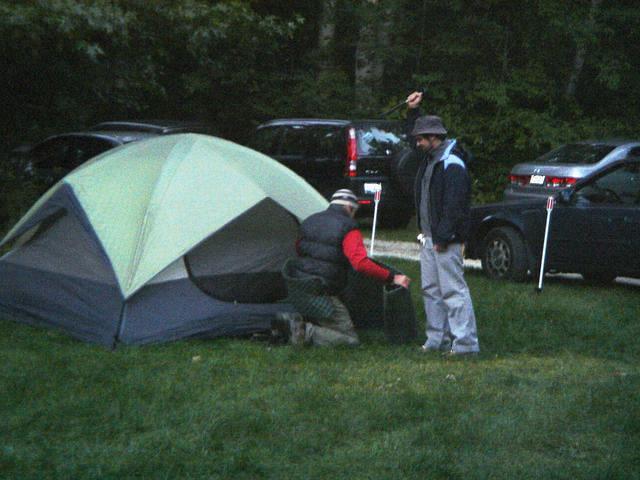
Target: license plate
(372,187)
(536,180)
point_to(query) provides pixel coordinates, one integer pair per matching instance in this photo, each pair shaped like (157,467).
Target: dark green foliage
(16,195)
(76,62)
(511,80)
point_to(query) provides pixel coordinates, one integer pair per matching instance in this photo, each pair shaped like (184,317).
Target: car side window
(620,186)
(86,148)
(327,142)
(267,140)
(635,152)
(51,153)
(295,141)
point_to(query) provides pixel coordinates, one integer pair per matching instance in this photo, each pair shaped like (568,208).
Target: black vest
(320,246)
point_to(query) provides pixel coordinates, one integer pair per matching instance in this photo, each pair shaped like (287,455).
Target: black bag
(399,315)
(363,297)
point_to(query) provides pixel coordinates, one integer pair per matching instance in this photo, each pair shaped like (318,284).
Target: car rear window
(576,154)
(380,140)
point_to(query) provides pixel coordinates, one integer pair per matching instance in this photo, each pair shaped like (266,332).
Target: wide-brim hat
(428,125)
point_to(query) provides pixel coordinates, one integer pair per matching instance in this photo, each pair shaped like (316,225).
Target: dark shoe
(425,349)
(261,336)
(298,331)
(291,326)
(454,354)
(280,326)
(428,349)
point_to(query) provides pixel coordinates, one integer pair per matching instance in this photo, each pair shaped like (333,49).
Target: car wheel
(405,168)
(598,278)
(504,255)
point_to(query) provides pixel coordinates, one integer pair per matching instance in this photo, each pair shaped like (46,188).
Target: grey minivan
(564,166)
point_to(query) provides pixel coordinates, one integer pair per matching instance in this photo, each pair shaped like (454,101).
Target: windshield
(380,140)
(576,153)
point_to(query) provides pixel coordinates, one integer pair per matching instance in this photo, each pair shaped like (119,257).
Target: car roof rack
(151,126)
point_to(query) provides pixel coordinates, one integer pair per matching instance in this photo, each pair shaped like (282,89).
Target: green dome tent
(162,239)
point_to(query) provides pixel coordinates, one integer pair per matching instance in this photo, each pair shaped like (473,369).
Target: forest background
(511,79)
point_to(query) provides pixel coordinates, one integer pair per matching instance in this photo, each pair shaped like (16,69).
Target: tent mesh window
(243,261)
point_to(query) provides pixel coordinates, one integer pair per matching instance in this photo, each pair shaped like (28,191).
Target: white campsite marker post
(550,204)
(377,189)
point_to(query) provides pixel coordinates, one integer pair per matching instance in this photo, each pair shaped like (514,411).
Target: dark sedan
(54,157)
(594,229)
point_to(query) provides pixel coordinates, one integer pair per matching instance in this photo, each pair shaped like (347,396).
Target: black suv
(51,159)
(355,154)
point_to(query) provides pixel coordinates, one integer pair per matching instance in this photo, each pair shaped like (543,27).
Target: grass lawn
(554,394)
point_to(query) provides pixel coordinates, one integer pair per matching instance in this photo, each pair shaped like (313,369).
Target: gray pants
(337,330)
(451,323)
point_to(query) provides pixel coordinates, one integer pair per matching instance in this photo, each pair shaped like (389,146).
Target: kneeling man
(330,243)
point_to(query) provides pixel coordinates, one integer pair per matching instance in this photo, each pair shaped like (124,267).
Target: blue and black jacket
(449,190)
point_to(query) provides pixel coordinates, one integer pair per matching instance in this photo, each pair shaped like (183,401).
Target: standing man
(330,243)
(443,200)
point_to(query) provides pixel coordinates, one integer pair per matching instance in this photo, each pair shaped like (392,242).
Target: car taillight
(559,182)
(518,179)
(352,154)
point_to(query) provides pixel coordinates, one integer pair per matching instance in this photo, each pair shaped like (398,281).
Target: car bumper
(390,198)
(526,193)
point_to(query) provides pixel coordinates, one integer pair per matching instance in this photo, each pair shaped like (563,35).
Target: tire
(598,278)
(504,255)
(405,168)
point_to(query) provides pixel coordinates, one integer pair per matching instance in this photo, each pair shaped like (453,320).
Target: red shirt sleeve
(353,249)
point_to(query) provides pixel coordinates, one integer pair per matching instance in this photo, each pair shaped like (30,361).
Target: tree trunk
(581,51)
(326,34)
(373,42)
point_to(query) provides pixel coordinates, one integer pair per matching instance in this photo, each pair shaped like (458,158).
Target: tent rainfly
(176,236)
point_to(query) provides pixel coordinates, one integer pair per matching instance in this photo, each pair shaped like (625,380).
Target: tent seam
(183,252)
(141,237)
